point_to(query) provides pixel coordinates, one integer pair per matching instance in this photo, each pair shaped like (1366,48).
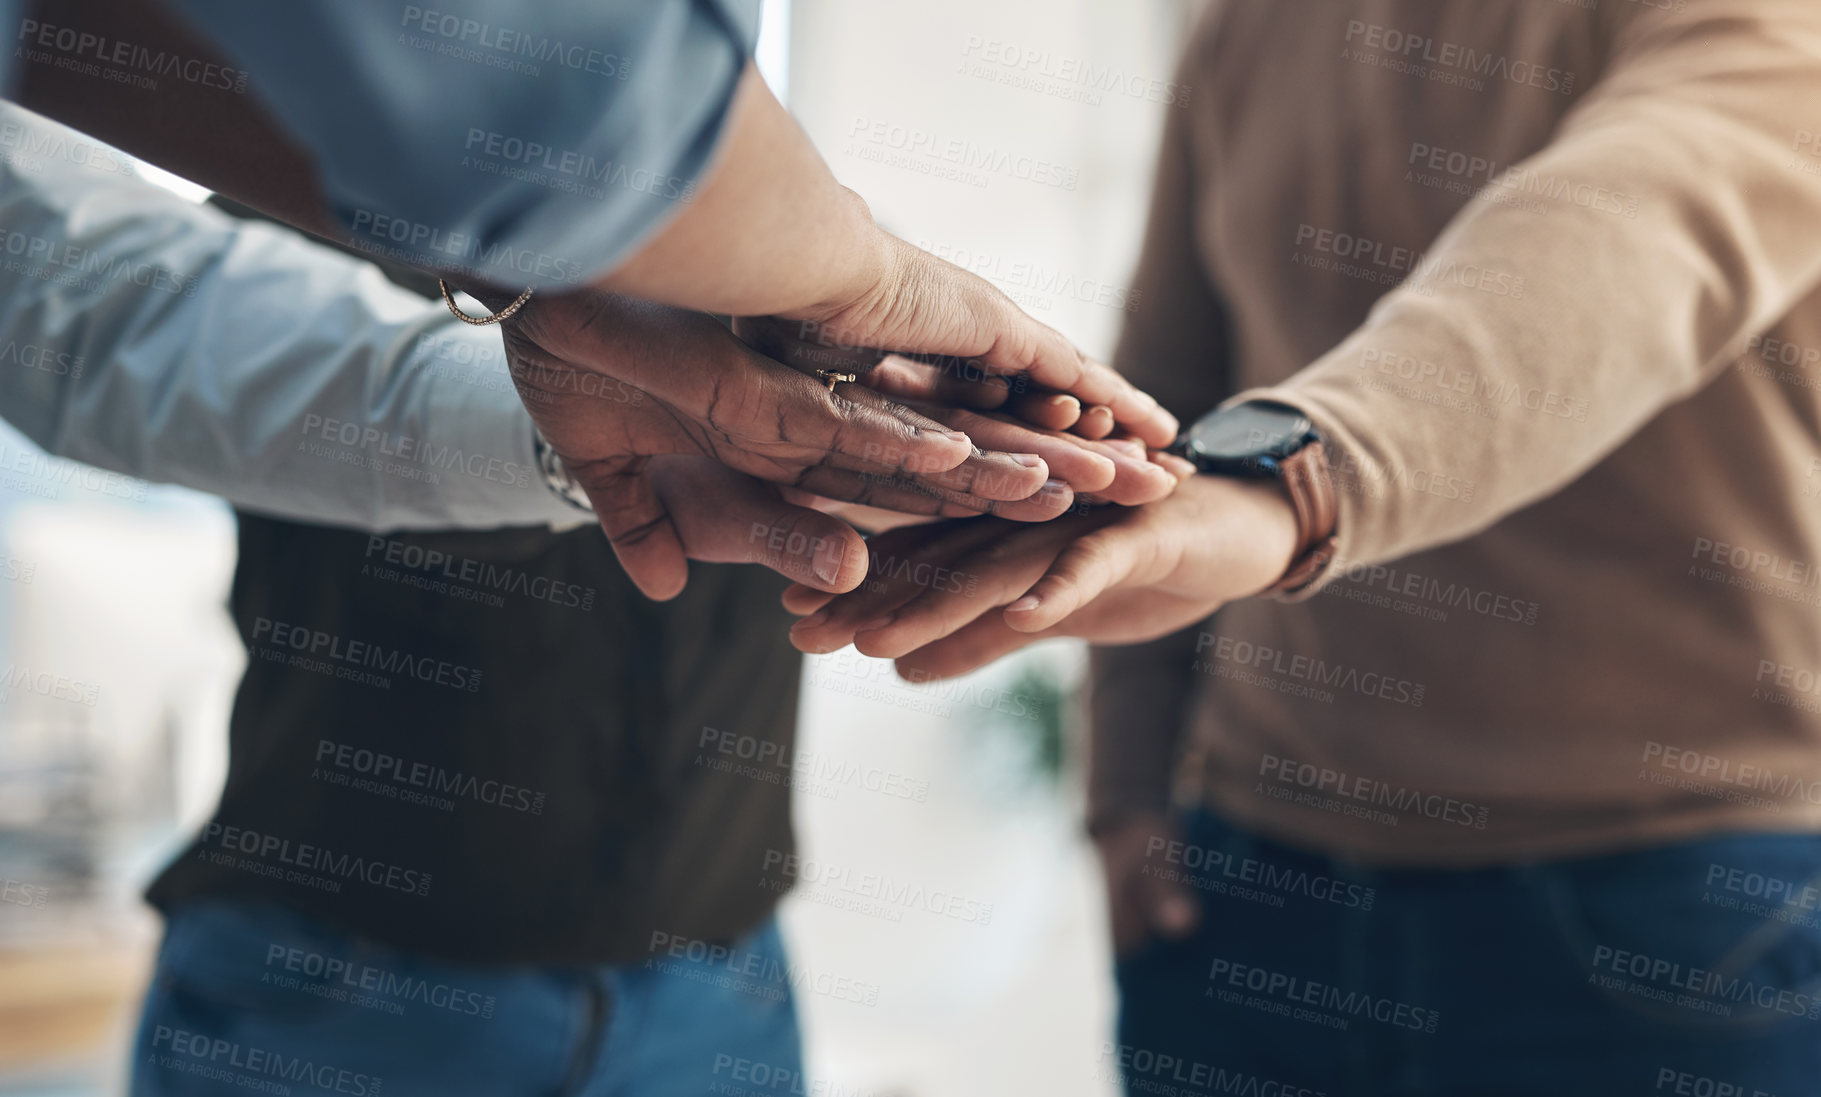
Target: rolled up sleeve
(520,144)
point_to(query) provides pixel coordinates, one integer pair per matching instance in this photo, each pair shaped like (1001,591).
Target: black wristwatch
(1251,440)
(1263,440)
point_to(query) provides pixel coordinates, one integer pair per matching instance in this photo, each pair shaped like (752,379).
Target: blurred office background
(968,127)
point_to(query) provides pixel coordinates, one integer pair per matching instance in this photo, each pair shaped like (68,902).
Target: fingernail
(1060,401)
(1026,604)
(814,620)
(876,624)
(1028,460)
(828,560)
(956,436)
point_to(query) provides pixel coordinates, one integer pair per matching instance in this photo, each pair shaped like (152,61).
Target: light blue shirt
(150,336)
(525,142)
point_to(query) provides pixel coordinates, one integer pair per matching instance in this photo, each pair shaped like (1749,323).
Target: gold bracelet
(482,321)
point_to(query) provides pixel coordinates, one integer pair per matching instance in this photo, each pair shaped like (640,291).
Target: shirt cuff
(485,442)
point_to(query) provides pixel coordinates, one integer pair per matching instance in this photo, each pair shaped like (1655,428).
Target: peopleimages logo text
(360,653)
(574,164)
(382,766)
(130,57)
(383,234)
(222,1060)
(1713,769)
(355,977)
(1281,879)
(1296,989)
(272,849)
(1399,798)
(1702,986)
(485,574)
(1460,58)
(70,264)
(536,47)
(1305,668)
(416,451)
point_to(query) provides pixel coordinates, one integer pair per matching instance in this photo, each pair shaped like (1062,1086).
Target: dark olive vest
(488,746)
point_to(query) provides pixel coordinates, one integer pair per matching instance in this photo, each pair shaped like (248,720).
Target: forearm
(1582,322)
(770,231)
(170,343)
(763,229)
(675,177)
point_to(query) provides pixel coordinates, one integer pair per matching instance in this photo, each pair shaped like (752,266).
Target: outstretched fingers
(928,497)
(975,584)
(1084,571)
(863,427)
(901,564)
(1050,360)
(984,641)
(951,382)
(722,516)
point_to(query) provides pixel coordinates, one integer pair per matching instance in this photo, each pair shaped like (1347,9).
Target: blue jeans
(257,999)
(1691,969)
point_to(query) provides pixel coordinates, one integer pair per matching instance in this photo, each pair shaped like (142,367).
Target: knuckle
(1090,554)
(998,552)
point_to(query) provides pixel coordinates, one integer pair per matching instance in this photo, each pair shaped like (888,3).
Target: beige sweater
(1546,275)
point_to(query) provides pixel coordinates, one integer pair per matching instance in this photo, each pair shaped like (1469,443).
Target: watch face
(1250,432)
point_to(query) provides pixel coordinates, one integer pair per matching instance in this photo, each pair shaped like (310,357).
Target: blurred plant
(1030,729)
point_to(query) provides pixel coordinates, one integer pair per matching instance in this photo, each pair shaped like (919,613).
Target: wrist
(1271,529)
(863,265)
(1271,441)
(1240,538)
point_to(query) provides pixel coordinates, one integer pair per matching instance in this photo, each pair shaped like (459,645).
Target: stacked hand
(971,398)
(923,306)
(693,441)
(612,383)
(1113,575)
(965,406)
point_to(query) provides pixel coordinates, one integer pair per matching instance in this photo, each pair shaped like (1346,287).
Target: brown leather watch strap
(1310,486)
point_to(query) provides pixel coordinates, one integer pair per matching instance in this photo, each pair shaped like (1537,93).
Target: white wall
(1023,1003)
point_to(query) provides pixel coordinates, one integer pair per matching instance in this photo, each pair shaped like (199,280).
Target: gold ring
(831,377)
